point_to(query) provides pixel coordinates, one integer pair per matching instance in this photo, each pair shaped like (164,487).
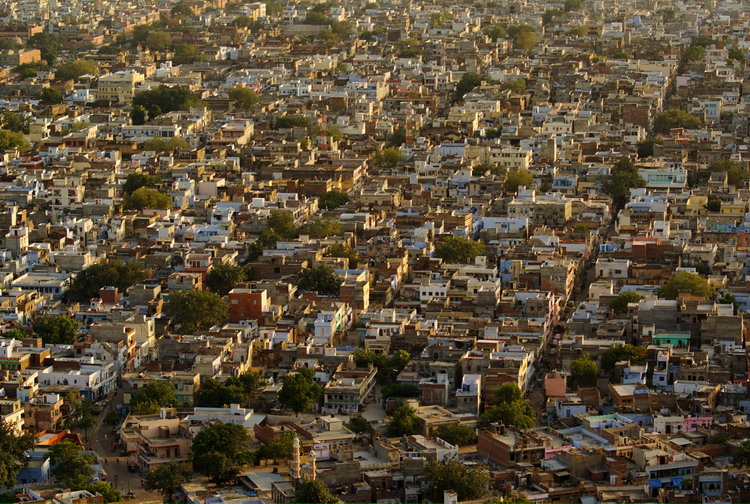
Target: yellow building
(119,87)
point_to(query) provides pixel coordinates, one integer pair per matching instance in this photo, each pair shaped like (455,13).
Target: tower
(296,473)
(313,466)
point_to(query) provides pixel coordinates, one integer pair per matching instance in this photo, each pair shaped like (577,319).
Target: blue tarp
(655,483)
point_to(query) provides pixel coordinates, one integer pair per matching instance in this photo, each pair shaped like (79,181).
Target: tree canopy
(518,178)
(163,100)
(346,252)
(320,228)
(145,197)
(314,492)
(115,273)
(467,83)
(675,118)
(56,329)
(456,434)
(524,36)
(459,249)
(195,310)
(75,69)
(298,390)
(321,279)
(741,456)
(13,448)
(220,450)
(160,145)
(243,98)
(686,281)
(72,465)
(510,409)
(623,177)
(359,424)
(470,482)
(620,353)
(403,422)
(224,277)
(584,371)
(332,199)
(620,304)
(13,140)
(736,174)
(152,396)
(388,157)
(167,478)
(137,180)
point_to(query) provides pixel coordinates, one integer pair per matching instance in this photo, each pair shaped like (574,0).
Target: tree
(146,198)
(181,10)
(223,277)
(550,15)
(220,450)
(388,365)
(332,199)
(646,148)
(518,178)
(359,424)
(518,414)
(623,177)
(388,157)
(675,118)
(55,329)
(736,174)
(14,122)
(216,394)
(158,40)
(71,465)
(495,32)
(686,281)
(138,115)
(29,70)
(280,447)
(459,249)
(320,228)
(346,252)
(82,417)
(469,482)
(515,498)
(103,488)
(185,54)
(398,137)
(508,392)
(518,86)
(467,83)
(321,279)
(152,396)
(299,390)
(195,310)
(457,435)
(584,371)
(51,96)
(243,98)
(85,286)
(694,54)
(15,333)
(165,144)
(727,298)
(404,422)
(111,418)
(741,456)
(282,223)
(571,5)
(621,353)
(11,140)
(620,304)
(13,448)
(713,205)
(524,36)
(76,68)
(137,180)
(292,121)
(163,100)
(250,383)
(399,390)
(736,54)
(314,492)
(48,44)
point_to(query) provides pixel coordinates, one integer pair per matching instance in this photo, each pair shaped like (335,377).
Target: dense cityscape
(393,252)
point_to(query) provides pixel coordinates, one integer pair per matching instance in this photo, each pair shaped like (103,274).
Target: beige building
(119,87)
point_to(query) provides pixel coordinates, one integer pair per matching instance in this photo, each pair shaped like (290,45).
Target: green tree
(646,148)
(137,180)
(158,40)
(524,36)
(244,98)
(623,177)
(76,68)
(316,18)
(111,418)
(621,353)
(186,54)
(741,455)
(152,396)
(686,281)
(273,8)
(675,118)
(82,416)
(469,482)
(29,70)
(713,205)
(695,53)
(138,115)
(518,178)
(321,279)
(220,450)
(459,249)
(404,422)
(727,298)
(71,465)
(195,310)
(314,492)
(163,100)
(398,137)
(467,83)
(550,15)
(388,365)
(389,157)
(14,122)
(85,286)
(250,383)
(160,145)
(16,333)
(298,390)
(571,5)
(146,198)
(736,174)
(517,414)
(338,250)
(292,121)
(51,96)
(216,394)
(181,10)
(508,392)
(13,448)
(359,425)
(621,302)
(518,86)
(515,498)
(399,390)
(282,223)
(103,488)
(320,228)
(584,371)
(48,44)
(56,329)
(280,447)
(11,140)
(333,199)
(495,32)
(457,435)
(223,277)
(737,54)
